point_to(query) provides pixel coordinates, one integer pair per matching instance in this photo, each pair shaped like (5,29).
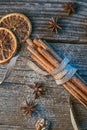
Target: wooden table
(69,41)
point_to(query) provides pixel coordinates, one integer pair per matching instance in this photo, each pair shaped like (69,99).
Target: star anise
(69,8)
(29,108)
(38,90)
(53,24)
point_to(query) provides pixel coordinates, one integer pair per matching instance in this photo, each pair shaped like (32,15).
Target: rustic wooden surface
(70,41)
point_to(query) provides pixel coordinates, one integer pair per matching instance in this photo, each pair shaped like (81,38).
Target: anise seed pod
(29,108)
(53,25)
(70,8)
(38,89)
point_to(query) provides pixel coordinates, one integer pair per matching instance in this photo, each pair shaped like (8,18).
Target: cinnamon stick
(73,80)
(74,85)
(30,43)
(40,63)
(44,61)
(77,96)
(79,84)
(38,43)
(77,90)
(48,57)
(50,50)
(69,83)
(41,44)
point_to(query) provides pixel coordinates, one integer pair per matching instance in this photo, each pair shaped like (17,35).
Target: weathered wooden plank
(71,26)
(15,90)
(54,104)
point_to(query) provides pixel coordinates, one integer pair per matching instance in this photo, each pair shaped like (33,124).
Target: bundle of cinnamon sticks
(49,60)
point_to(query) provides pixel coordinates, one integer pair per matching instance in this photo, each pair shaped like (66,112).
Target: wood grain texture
(70,42)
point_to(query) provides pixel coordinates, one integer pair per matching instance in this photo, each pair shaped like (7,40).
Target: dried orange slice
(19,24)
(8,45)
